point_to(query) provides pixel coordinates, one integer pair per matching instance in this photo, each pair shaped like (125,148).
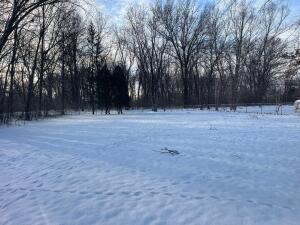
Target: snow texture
(231,168)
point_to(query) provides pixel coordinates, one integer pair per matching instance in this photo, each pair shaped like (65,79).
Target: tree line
(57,56)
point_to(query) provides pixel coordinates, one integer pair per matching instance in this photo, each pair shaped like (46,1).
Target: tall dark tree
(120,89)
(104,89)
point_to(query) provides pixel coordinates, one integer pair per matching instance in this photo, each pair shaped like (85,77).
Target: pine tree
(104,89)
(120,89)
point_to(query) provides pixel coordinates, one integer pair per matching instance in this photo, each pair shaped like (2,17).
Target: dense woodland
(59,55)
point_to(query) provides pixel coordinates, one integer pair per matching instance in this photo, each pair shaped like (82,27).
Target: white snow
(264,109)
(233,168)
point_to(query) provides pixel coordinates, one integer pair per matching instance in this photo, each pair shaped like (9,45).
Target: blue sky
(115,9)
(294,7)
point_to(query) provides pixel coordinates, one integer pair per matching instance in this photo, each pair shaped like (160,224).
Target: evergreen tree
(104,89)
(120,89)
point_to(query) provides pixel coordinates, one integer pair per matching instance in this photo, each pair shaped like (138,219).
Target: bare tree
(15,11)
(183,24)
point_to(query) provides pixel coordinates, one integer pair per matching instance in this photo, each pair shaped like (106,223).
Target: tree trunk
(41,80)
(12,73)
(185,82)
(63,77)
(30,96)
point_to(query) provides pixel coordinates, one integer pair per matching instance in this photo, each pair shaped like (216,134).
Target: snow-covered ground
(264,109)
(233,169)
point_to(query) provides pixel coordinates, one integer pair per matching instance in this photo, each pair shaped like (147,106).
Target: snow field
(233,168)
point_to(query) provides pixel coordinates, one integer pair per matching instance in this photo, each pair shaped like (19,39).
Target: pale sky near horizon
(115,9)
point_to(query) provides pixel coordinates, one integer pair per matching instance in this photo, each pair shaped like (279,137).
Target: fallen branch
(169,151)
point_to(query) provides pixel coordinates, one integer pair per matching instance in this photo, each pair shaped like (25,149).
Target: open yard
(226,169)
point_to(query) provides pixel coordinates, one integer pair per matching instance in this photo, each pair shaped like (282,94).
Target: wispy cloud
(116,9)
